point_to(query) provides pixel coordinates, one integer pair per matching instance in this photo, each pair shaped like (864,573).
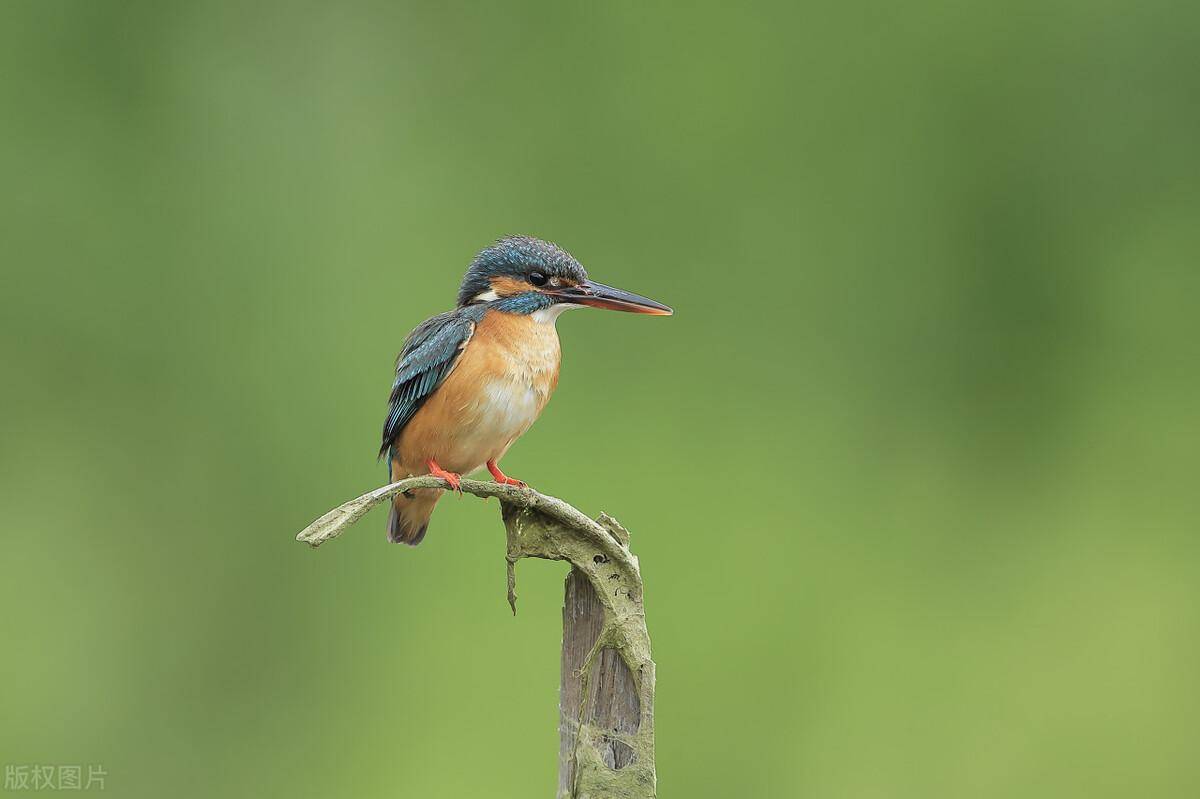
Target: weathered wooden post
(606,697)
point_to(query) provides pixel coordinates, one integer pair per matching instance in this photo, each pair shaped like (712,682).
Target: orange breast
(501,383)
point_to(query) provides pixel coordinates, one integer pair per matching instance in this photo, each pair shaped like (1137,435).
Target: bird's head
(525,275)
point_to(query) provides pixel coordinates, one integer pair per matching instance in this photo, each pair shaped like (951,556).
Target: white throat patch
(550,315)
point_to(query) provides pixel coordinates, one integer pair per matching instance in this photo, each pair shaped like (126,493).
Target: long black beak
(599,295)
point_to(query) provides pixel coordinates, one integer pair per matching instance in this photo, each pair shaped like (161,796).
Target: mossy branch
(603,755)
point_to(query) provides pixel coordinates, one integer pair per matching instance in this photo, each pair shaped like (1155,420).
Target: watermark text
(54,777)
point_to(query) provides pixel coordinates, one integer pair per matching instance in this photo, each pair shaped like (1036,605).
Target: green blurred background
(912,473)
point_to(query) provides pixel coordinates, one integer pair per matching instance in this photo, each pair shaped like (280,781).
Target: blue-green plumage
(517,256)
(429,354)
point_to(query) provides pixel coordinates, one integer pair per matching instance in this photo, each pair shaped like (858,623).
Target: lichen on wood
(607,700)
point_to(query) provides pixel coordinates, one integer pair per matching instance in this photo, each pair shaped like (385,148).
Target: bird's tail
(409,516)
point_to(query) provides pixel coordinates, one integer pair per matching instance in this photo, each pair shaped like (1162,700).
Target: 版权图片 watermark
(53,777)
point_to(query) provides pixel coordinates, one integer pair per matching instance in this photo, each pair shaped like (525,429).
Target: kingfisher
(471,381)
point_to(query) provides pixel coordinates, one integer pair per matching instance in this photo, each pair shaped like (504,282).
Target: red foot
(504,479)
(455,480)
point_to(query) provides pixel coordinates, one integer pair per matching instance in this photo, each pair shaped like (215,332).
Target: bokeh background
(912,473)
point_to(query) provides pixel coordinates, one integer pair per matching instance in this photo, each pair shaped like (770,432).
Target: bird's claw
(455,480)
(502,478)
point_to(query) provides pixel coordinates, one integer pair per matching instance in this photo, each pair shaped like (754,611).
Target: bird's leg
(455,480)
(502,478)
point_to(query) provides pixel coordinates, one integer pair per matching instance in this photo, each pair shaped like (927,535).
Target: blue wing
(429,354)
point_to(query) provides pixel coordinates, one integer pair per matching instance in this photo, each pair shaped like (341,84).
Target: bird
(471,381)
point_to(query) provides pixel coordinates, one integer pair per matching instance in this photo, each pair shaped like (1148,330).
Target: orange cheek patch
(508,286)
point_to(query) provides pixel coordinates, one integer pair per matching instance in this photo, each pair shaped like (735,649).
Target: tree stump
(606,695)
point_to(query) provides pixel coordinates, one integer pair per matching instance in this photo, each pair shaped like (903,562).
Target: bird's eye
(537,278)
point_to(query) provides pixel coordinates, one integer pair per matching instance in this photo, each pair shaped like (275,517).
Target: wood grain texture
(612,703)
